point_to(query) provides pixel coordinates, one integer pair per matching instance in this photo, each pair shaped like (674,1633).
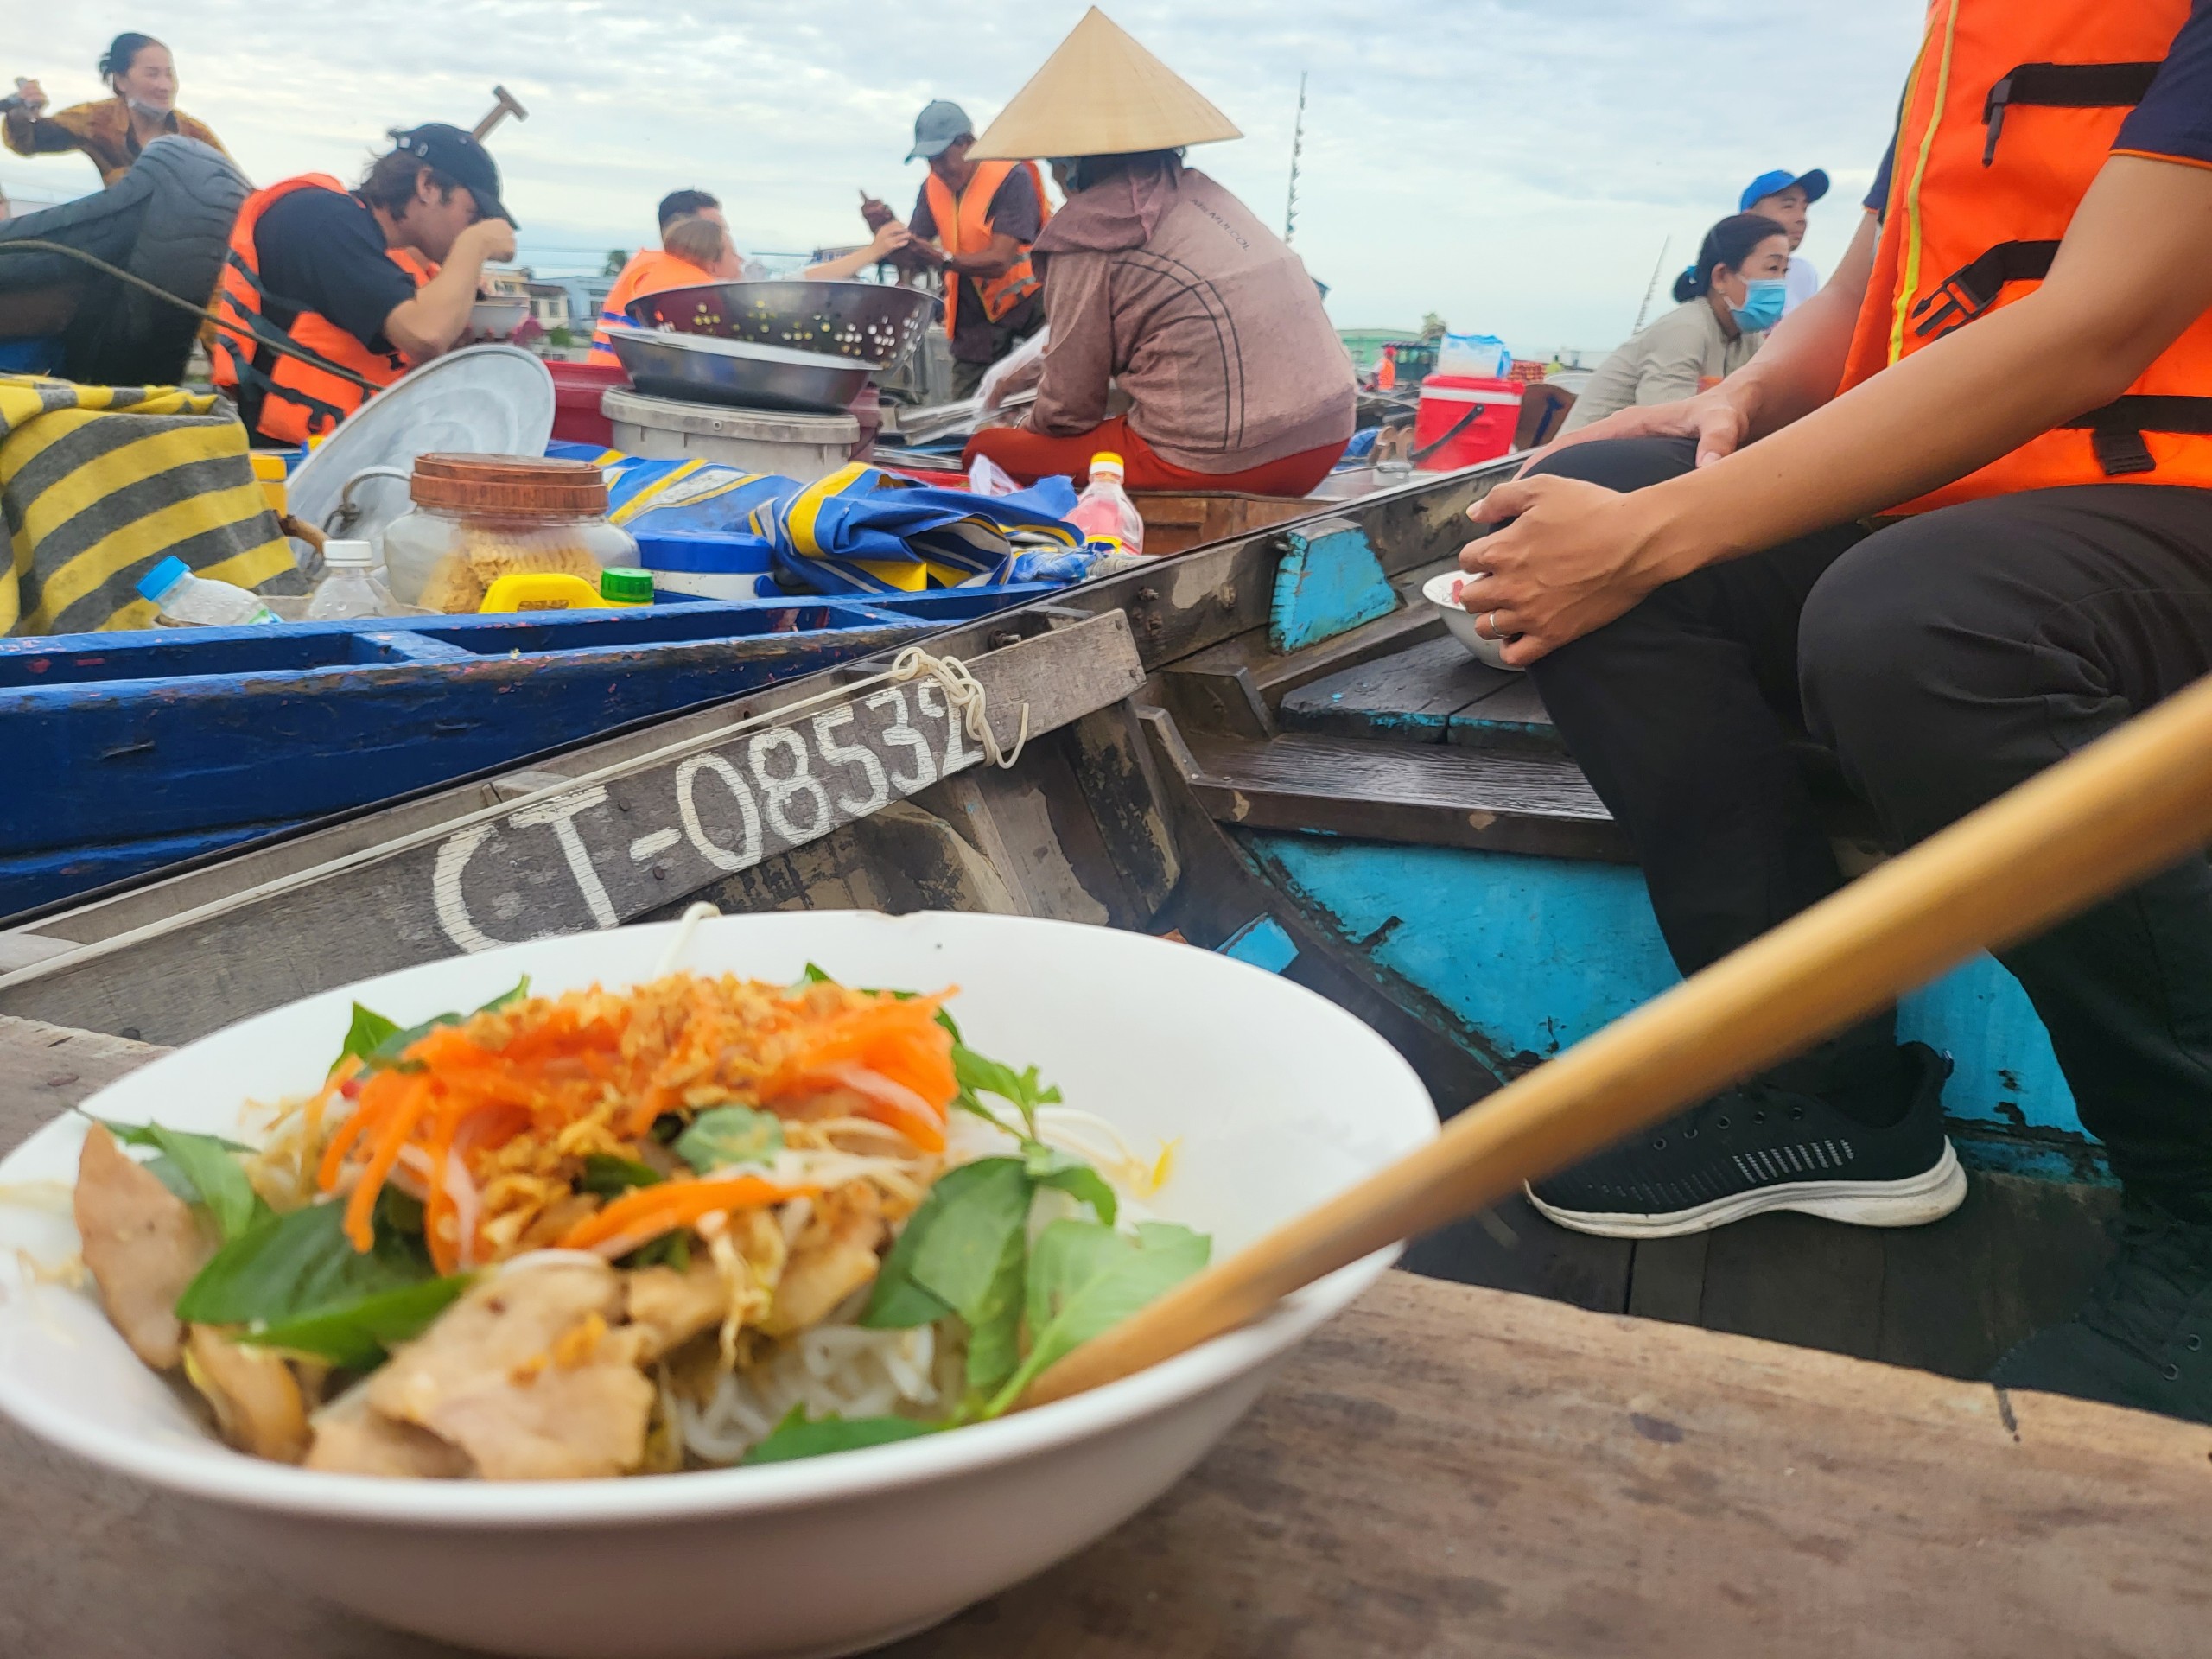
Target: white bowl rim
(1437,590)
(216,1473)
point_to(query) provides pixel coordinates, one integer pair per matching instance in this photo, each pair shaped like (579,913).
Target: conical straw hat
(1101,94)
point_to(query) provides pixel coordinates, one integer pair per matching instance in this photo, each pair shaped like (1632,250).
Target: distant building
(550,302)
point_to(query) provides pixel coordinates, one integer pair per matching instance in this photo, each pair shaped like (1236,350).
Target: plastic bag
(1017,369)
(986,477)
(1484,356)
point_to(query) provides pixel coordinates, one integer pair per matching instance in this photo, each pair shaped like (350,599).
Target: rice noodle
(839,1368)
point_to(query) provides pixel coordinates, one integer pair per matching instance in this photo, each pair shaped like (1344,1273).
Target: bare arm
(2133,271)
(430,324)
(994,260)
(888,240)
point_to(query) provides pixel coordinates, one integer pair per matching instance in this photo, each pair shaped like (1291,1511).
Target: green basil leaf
(994,1321)
(299,1264)
(388,1053)
(1050,1168)
(723,1136)
(209,1162)
(164,1169)
(144,1134)
(1085,1278)
(358,1334)
(962,1247)
(368,1032)
(610,1176)
(795,1437)
(898,1300)
(978,1074)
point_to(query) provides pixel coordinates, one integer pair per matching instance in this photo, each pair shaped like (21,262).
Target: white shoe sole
(1910,1203)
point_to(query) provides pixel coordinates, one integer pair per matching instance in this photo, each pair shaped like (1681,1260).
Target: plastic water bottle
(1105,507)
(349,588)
(182,600)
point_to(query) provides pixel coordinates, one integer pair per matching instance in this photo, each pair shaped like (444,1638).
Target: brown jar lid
(496,484)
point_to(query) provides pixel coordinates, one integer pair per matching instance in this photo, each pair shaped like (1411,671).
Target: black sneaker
(2143,1338)
(1760,1148)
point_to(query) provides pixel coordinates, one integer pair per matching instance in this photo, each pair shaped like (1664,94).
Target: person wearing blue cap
(1786,198)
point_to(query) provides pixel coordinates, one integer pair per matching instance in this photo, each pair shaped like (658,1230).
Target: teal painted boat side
(1526,956)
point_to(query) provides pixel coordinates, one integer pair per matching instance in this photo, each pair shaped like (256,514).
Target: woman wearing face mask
(143,76)
(1728,300)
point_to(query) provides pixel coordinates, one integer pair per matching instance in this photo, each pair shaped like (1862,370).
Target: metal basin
(702,369)
(869,322)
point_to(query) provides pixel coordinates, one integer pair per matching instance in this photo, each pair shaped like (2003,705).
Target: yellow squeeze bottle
(540,590)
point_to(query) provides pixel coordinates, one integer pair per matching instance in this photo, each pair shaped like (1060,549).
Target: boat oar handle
(2136,802)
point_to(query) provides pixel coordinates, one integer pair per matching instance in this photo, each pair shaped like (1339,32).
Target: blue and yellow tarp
(98,484)
(859,530)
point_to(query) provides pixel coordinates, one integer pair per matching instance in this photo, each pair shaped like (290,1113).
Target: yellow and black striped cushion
(99,483)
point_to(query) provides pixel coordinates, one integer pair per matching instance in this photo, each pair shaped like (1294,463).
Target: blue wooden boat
(129,752)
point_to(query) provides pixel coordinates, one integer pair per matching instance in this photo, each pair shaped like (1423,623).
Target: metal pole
(1297,143)
(1651,287)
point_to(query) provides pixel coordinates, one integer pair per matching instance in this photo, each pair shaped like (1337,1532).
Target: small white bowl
(1437,590)
(1279,1100)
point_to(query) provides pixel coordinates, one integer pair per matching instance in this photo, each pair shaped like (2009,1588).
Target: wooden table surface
(1443,1471)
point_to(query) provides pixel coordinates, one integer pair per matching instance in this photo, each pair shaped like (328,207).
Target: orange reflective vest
(299,400)
(2011,109)
(652,271)
(965,226)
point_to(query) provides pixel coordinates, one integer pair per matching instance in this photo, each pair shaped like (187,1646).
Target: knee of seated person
(1863,644)
(1620,463)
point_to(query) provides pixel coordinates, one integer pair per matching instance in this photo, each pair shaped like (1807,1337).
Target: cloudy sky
(1512,164)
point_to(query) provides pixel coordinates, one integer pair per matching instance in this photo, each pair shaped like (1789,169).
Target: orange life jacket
(965,226)
(298,400)
(650,271)
(2011,109)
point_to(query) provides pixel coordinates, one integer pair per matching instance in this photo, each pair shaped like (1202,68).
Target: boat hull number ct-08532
(717,811)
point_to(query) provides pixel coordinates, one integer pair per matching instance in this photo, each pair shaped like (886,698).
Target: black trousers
(1942,659)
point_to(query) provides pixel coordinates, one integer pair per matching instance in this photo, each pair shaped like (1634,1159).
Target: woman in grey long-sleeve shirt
(1740,276)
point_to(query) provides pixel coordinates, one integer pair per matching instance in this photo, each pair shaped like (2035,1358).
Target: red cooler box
(1463,419)
(576,387)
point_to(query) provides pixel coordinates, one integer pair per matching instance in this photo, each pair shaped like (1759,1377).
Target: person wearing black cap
(1786,198)
(367,283)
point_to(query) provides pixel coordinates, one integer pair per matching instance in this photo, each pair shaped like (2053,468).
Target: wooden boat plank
(1429,796)
(1512,716)
(1408,697)
(1443,1469)
(606,852)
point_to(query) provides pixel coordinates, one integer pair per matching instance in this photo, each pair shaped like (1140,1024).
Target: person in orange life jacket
(695,248)
(372,281)
(2013,369)
(983,218)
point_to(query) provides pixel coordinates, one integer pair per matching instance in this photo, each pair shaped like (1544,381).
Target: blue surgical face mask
(1764,298)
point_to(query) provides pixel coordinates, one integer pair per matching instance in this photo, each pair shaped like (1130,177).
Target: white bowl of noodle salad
(668,1292)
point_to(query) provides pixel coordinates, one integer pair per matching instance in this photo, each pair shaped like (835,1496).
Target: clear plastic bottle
(184,601)
(1105,507)
(349,588)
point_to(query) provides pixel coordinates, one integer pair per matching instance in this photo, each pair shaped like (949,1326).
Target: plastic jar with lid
(479,518)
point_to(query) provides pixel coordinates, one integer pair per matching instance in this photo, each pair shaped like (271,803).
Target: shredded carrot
(512,1101)
(413,1100)
(643,1213)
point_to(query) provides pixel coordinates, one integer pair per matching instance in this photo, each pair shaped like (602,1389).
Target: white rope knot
(965,696)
